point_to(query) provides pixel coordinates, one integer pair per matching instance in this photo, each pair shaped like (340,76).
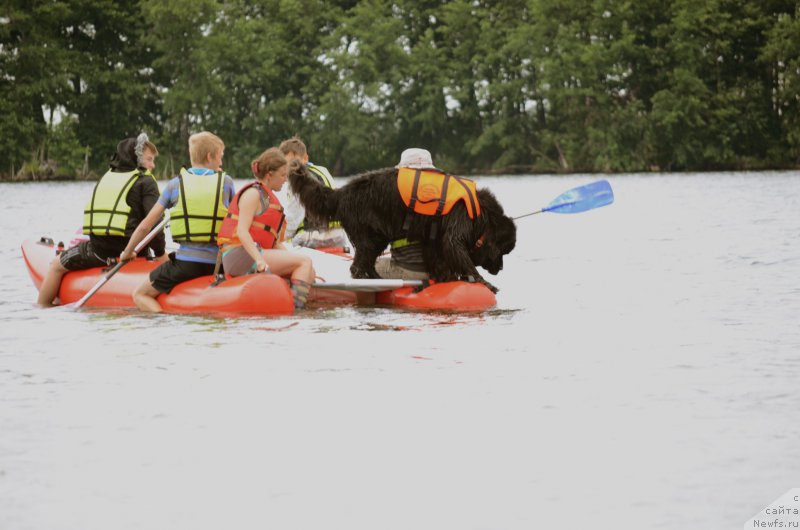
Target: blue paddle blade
(583,198)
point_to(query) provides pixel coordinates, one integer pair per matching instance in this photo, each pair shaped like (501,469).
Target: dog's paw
(363,273)
(491,287)
(358,274)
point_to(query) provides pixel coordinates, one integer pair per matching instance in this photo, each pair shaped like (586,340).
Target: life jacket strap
(261,226)
(217,266)
(443,196)
(414,189)
(400,243)
(407,221)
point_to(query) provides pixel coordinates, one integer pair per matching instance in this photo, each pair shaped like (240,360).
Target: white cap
(416,158)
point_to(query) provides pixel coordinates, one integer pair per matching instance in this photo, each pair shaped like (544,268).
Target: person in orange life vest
(130,173)
(406,261)
(299,229)
(250,236)
(199,199)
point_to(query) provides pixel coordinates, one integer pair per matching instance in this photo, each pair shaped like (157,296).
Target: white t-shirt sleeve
(294,212)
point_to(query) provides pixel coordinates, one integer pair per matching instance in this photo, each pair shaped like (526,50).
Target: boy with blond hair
(299,230)
(199,199)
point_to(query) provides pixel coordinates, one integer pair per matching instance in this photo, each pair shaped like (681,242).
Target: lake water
(641,370)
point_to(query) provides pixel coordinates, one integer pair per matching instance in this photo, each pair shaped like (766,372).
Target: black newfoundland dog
(373,214)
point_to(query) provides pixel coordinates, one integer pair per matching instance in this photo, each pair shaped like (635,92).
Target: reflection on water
(641,368)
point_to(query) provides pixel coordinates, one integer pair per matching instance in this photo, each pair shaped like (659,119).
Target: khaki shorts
(388,269)
(237,262)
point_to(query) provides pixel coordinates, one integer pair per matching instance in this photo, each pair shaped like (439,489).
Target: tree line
(486,86)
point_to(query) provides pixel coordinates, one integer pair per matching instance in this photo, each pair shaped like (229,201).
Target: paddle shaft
(528,214)
(149,237)
(548,209)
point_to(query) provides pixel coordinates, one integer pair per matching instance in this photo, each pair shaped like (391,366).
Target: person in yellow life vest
(299,229)
(120,200)
(406,261)
(199,199)
(250,236)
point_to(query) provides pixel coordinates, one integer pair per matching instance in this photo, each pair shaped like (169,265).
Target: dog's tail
(321,203)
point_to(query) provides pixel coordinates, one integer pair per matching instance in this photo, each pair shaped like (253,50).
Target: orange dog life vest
(433,192)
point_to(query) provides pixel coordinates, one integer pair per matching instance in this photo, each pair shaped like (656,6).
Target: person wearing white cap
(406,261)
(416,158)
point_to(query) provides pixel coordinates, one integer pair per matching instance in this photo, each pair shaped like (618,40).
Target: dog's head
(296,170)
(499,236)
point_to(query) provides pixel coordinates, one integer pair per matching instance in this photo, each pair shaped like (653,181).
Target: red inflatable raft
(254,294)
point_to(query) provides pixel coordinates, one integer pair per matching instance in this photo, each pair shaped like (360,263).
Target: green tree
(461,60)
(715,109)
(67,150)
(781,55)
(367,61)
(589,53)
(109,76)
(553,85)
(508,95)
(177,33)
(77,58)
(33,67)
(248,71)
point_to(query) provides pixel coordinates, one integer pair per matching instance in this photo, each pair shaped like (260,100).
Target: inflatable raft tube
(254,294)
(257,294)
